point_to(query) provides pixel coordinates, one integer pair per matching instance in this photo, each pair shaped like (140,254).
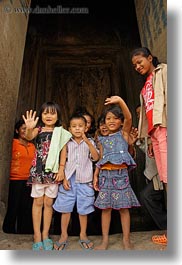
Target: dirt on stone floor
(141,241)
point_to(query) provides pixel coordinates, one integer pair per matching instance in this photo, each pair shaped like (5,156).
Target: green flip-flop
(47,244)
(37,246)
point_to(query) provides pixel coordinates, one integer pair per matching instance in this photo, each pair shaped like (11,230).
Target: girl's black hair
(53,107)
(137,106)
(116,110)
(144,51)
(100,120)
(18,124)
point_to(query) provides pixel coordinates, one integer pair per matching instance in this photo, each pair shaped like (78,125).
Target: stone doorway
(79,61)
(78,81)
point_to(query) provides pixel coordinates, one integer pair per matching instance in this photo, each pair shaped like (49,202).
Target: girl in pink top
(153,114)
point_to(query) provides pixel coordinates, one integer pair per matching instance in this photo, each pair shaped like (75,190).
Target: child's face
(103,129)
(113,123)
(21,132)
(49,118)
(89,121)
(77,127)
(138,112)
(143,65)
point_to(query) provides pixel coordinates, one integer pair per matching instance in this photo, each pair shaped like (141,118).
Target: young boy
(76,161)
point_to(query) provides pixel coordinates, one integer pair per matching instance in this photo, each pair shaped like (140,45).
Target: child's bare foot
(127,245)
(102,246)
(37,238)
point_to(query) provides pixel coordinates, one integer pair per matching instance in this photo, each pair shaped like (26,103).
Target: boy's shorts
(80,193)
(50,190)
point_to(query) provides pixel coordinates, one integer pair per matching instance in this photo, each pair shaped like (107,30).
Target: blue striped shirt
(79,161)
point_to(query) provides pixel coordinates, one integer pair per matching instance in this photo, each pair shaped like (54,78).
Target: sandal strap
(48,244)
(37,246)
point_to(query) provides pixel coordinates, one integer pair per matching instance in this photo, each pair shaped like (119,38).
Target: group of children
(69,165)
(71,181)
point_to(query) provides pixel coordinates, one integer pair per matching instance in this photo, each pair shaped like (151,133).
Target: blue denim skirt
(115,190)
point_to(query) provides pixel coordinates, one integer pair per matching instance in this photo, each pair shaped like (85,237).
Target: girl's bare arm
(61,174)
(126,113)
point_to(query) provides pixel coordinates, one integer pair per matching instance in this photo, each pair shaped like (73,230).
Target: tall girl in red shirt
(153,113)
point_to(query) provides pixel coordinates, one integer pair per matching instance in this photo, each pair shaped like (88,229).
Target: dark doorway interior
(78,60)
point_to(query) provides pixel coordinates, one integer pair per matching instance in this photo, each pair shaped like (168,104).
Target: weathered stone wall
(152,23)
(13,27)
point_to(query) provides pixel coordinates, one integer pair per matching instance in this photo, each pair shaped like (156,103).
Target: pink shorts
(159,142)
(50,190)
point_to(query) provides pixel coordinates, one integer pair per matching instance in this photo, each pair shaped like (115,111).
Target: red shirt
(21,160)
(148,96)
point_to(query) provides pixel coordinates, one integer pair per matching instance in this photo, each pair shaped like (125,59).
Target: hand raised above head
(30,119)
(112,100)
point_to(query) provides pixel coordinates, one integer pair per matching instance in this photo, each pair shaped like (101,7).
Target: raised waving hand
(30,121)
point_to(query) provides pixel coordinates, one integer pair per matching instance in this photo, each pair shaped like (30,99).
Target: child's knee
(38,201)
(48,202)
